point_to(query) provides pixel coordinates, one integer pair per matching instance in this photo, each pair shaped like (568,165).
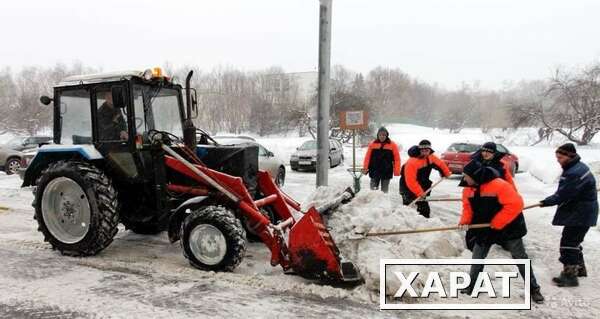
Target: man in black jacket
(577,210)
(382,161)
(111,123)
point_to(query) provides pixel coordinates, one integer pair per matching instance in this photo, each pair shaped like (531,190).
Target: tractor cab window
(75,117)
(112,121)
(140,111)
(165,110)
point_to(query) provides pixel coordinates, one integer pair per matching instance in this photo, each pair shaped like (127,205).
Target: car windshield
(463,148)
(308,145)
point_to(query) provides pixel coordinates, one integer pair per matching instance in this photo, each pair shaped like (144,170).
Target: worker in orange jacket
(382,160)
(414,180)
(489,155)
(487,198)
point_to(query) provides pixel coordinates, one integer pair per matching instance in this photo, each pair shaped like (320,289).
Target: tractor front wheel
(76,208)
(212,238)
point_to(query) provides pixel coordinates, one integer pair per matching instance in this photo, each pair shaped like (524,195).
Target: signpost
(354,120)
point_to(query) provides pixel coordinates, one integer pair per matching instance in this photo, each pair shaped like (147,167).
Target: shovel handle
(532,206)
(425,192)
(441,199)
(425,230)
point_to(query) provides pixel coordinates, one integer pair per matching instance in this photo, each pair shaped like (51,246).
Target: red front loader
(302,245)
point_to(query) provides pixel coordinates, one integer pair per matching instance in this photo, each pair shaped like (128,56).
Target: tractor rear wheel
(212,238)
(76,208)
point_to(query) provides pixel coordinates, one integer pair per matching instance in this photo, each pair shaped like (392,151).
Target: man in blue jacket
(577,210)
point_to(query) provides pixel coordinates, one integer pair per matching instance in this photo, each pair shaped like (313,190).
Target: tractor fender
(181,212)
(51,153)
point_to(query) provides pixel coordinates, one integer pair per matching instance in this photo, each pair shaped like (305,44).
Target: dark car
(459,154)
(20,143)
(305,156)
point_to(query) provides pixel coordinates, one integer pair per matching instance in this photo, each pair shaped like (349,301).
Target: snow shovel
(412,204)
(414,231)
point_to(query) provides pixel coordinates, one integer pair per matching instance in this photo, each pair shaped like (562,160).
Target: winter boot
(568,277)
(581,270)
(536,295)
(468,290)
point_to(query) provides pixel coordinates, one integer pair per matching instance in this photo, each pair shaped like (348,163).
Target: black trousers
(385,184)
(517,251)
(422,207)
(571,252)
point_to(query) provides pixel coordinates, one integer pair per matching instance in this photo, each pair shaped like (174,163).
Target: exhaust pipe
(189,130)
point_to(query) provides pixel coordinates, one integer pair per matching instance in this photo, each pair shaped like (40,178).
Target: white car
(267,161)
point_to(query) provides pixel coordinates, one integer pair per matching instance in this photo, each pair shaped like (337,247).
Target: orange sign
(354,120)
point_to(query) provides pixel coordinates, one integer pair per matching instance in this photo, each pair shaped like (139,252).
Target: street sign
(354,120)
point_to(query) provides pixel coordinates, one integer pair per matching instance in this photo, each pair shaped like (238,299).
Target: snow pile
(374,211)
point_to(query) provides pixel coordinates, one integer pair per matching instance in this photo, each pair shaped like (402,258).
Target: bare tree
(570,105)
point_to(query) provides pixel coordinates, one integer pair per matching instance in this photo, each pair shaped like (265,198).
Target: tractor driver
(111,124)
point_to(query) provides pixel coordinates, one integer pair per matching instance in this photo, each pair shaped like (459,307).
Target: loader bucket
(314,255)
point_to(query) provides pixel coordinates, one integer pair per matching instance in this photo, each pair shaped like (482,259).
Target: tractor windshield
(163,104)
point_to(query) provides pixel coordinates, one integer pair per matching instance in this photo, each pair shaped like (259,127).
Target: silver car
(10,160)
(267,161)
(305,156)
(20,143)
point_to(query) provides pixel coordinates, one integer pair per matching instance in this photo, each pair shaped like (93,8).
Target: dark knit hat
(472,169)
(425,144)
(479,173)
(567,149)
(489,147)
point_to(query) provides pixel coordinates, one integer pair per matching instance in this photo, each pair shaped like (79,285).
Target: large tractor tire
(212,238)
(251,233)
(76,208)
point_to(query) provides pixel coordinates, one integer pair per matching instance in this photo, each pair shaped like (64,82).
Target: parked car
(267,161)
(459,154)
(19,143)
(10,160)
(305,156)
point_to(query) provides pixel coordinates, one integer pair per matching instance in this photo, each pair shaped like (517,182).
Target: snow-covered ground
(145,276)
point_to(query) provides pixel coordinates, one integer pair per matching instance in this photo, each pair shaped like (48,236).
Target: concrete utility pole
(324,84)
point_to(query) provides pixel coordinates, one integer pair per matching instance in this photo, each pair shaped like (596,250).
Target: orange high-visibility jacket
(382,159)
(416,172)
(495,202)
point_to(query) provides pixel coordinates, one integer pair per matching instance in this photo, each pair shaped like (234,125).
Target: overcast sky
(442,41)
